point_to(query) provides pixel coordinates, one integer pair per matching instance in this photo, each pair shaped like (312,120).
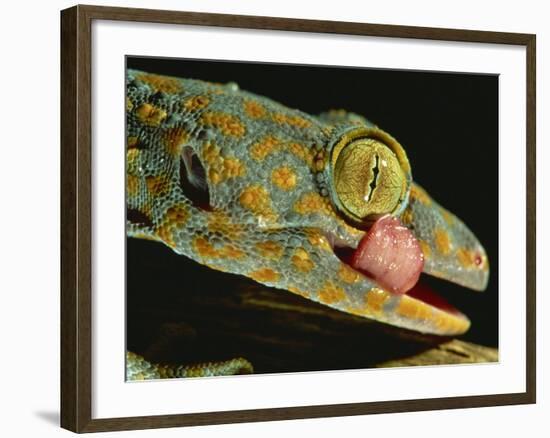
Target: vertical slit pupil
(374,181)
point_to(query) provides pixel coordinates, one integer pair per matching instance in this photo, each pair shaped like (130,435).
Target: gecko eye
(370,179)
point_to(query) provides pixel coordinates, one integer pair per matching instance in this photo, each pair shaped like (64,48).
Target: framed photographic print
(268,218)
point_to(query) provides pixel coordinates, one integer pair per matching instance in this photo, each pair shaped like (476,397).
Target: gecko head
(391,230)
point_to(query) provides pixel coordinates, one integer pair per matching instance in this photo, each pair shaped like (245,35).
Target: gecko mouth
(390,255)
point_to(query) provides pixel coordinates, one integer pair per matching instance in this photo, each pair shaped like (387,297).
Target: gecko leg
(137,368)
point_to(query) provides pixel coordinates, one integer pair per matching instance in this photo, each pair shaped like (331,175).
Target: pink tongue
(390,254)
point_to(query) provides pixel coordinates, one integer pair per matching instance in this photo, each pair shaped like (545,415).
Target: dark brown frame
(76,173)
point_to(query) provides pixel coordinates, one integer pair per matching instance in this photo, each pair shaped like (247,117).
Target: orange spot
(228,124)
(414,309)
(220,222)
(131,142)
(211,154)
(264,275)
(161,83)
(231,252)
(318,240)
(447,217)
(319,165)
(301,260)
(347,274)
(256,199)
(204,248)
(254,109)
(271,144)
(284,178)
(221,168)
(444,322)
(451,324)
(264,147)
(375,299)
(174,139)
(298,291)
(297,121)
(131,156)
(319,161)
(302,152)
(407,217)
(157,185)
(150,115)
(469,259)
(214,176)
(174,218)
(443,241)
(269,249)
(330,293)
(425,248)
(310,203)
(196,103)
(177,214)
(419,194)
(232,168)
(132,185)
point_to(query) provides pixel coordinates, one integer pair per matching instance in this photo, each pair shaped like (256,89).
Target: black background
(447,123)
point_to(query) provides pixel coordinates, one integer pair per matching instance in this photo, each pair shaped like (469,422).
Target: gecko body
(245,185)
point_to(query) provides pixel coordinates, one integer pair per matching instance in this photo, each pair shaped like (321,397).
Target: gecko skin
(245,185)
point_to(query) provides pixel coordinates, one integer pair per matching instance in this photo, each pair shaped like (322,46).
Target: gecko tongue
(390,254)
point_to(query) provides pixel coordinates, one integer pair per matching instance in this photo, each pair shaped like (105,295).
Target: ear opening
(193,179)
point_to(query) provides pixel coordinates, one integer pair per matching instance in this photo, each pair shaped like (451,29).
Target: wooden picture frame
(76,218)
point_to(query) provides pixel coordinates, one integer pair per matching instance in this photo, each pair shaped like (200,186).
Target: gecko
(321,206)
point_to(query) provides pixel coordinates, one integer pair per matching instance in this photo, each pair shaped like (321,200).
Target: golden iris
(369,179)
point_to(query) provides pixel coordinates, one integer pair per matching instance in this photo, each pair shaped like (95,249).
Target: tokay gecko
(321,206)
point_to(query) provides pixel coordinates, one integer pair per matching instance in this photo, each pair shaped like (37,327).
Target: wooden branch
(451,352)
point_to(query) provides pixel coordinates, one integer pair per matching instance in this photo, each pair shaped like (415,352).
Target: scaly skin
(137,368)
(273,212)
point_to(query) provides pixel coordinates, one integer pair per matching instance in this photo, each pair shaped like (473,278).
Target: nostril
(192,178)
(478,260)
